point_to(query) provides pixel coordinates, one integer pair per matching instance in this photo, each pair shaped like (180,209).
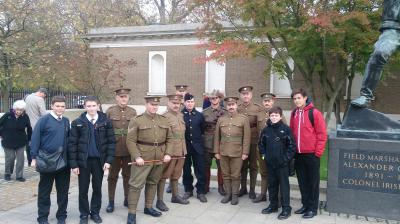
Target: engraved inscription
(369,171)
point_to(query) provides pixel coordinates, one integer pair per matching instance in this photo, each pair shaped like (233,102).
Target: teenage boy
(51,135)
(91,151)
(278,147)
(309,131)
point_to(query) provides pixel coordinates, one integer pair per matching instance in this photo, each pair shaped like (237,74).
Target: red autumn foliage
(222,51)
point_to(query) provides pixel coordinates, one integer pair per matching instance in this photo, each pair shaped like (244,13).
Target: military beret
(245,89)
(188,96)
(121,91)
(181,88)
(174,97)
(152,99)
(229,99)
(268,96)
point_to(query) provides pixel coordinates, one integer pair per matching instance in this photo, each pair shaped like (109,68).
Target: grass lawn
(323,166)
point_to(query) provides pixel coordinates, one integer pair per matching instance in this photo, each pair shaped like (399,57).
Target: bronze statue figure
(387,44)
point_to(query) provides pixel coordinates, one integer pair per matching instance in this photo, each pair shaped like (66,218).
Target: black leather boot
(110,207)
(131,218)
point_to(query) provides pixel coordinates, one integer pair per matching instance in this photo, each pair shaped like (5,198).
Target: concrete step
(292,180)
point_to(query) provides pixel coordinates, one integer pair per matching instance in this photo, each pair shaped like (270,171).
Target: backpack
(310,115)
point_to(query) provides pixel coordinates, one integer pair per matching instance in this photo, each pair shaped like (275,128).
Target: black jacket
(276,144)
(15,132)
(79,140)
(195,124)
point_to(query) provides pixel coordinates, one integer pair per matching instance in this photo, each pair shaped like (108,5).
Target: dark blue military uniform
(194,121)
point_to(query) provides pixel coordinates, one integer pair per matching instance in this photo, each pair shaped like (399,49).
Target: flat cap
(121,91)
(181,88)
(152,99)
(230,99)
(266,96)
(245,89)
(174,97)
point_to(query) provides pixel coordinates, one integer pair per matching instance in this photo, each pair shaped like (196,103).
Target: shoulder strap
(311,116)
(292,114)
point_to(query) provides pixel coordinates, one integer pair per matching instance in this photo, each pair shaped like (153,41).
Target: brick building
(166,54)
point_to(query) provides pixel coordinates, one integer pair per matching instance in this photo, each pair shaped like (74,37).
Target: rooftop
(150,31)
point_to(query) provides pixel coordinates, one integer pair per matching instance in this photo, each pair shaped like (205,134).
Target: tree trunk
(337,110)
(6,86)
(350,84)
(4,99)
(332,100)
(161,10)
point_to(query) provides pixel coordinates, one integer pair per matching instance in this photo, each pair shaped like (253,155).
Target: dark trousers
(46,181)
(198,164)
(278,180)
(28,154)
(307,170)
(95,171)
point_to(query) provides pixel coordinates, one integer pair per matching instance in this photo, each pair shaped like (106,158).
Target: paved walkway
(18,205)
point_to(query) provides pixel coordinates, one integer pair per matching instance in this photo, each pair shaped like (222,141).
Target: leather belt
(151,143)
(120,131)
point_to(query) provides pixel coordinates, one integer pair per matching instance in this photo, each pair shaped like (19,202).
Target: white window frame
(207,78)
(164,91)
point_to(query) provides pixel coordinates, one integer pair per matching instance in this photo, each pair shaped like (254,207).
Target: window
(215,75)
(279,85)
(157,73)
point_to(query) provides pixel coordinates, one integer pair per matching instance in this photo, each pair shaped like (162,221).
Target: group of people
(150,148)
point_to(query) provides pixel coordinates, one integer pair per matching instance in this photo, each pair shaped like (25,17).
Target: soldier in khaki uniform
(268,100)
(231,147)
(180,90)
(148,142)
(211,115)
(120,115)
(173,169)
(250,109)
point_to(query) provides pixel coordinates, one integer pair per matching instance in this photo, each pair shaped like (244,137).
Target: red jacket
(309,138)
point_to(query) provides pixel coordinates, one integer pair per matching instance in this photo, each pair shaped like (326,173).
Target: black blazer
(195,124)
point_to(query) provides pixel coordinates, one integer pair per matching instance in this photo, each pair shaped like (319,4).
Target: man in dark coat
(91,150)
(195,123)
